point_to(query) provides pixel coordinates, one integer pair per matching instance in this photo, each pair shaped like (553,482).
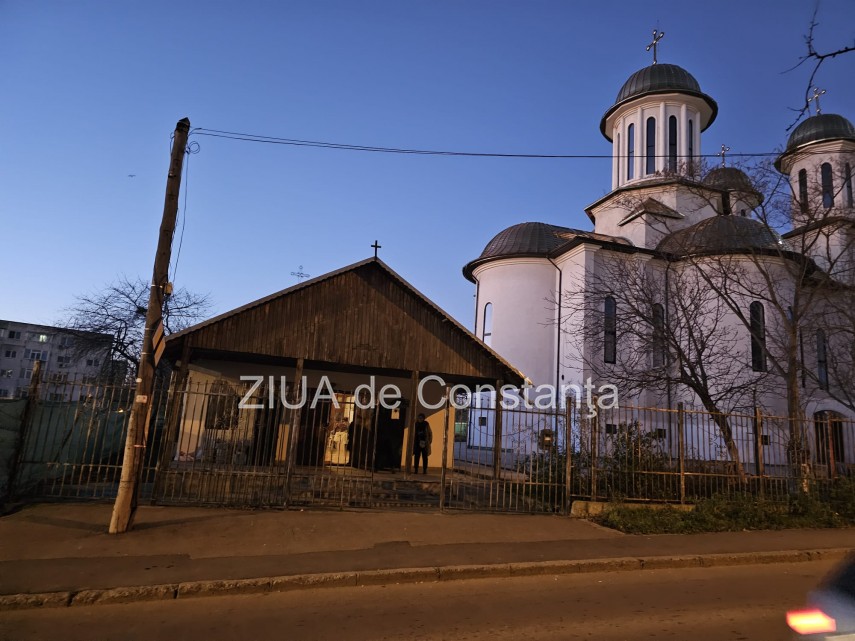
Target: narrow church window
(803,190)
(658,335)
(618,151)
(758,336)
(821,359)
(487,324)
(651,146)
(610,330)
(827,186)
(848,178)
(630,152)
(672,143)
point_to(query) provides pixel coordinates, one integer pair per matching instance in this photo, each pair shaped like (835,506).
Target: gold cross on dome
(724,150)
(817,92)
(657,36)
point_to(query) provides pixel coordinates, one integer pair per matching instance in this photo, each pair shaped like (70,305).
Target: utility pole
(126,499)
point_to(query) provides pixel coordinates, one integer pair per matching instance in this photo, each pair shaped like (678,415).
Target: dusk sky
(92,92)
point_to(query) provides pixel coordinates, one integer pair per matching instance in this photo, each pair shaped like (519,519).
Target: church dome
(817,129)
(659,78)
(821,127)
(723,234)
(525,239)
(729,178)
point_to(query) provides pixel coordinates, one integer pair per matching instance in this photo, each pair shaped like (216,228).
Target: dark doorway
(390,437)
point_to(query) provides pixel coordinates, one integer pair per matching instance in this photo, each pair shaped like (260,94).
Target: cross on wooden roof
(376,247)
(657,36)
(299,273)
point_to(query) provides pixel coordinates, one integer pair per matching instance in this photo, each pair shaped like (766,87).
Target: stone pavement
(60,554)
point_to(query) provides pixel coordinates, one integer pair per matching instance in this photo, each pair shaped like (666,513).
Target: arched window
(848,178)
(487,324)
(630,152)
(803,190)
(672,143)
(827,185)
(651,146)
(658,335)
(691,141)
(618,151)
(758,336)
(821,359)
(610,330)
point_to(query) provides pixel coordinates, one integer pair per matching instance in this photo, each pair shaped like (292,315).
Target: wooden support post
(568,455)
(442,474)
(27,420)
(174,414)
(681,450)
(758,450)
(497,435)
(296,416)
(412,412)
(135,442)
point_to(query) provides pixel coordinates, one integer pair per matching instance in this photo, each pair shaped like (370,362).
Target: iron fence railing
(211,444)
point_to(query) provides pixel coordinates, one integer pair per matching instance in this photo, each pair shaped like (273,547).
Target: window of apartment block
(4,393)
(11,353)
(26,374)
(14,334)
(6,373)
(92,362)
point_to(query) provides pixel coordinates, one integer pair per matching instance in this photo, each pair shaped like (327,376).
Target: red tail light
(811,621)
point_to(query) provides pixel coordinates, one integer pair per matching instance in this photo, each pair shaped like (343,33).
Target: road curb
(193,589)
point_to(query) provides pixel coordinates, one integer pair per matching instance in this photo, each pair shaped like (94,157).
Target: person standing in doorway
(421,443)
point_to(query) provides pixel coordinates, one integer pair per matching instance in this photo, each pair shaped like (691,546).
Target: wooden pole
(443,470)
(409,430)
(125,506)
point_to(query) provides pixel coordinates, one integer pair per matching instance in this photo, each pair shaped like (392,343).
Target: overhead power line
(275,140)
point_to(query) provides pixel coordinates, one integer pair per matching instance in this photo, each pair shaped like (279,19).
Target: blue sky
(92,92)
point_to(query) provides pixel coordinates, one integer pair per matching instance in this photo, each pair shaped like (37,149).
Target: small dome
(658,78)
(821,127)
(729,178)
(723,234)
(655,79)
(525,239)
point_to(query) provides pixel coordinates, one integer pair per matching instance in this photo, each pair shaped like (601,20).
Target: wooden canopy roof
(362,317)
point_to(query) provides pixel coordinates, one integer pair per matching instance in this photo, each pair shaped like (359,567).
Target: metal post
(296,415)
(442,474)
(412,412)
(758,449)
(497,435)
(126,500)
(27,420)
(681,449)
(593,423)
(568,455)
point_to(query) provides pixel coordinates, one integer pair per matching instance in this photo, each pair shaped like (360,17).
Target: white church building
(554,300)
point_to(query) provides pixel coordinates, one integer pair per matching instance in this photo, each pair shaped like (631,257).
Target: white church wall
(522,292)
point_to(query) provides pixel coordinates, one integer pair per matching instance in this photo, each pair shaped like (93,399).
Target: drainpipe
(558,326)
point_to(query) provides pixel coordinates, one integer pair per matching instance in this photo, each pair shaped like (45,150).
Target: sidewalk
(62,552)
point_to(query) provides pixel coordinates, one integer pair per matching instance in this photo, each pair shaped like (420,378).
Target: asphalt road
(736,603)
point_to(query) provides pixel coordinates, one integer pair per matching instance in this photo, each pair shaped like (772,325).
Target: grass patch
(834,506)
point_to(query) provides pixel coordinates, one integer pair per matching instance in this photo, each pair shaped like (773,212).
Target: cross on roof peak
(299,273)
(657,36)
(817,92)
(376,247)
(722,153)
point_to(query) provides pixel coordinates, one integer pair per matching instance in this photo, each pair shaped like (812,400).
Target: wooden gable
(362,316)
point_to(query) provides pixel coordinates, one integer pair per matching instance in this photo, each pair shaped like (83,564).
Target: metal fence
(208,444)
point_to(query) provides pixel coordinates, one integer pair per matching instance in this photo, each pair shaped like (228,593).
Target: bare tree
(816,59)
(668,335)
(119,311)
